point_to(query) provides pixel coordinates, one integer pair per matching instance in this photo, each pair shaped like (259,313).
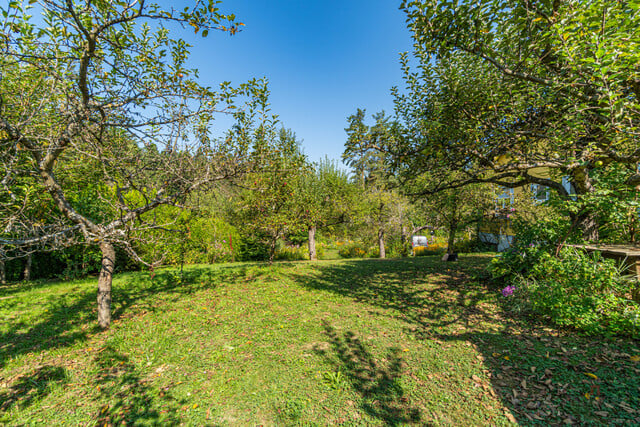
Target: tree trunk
(312,243)
(272,249)
(588,224)
(3,273)
(104,284)
(26,275)
(452,237)
(381,243)
(404,251)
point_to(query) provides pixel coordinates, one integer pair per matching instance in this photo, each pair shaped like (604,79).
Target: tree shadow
(455,295)
(542,375)
(378,385)
(130,399)
(72,318)
(30,388)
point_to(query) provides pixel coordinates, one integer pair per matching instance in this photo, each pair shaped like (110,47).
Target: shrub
(374,252)
(252,248)
(352,250)
(469,245)
(320,250)
(574,289)
(437,246)
(210,240)
(292,253)
(517,261)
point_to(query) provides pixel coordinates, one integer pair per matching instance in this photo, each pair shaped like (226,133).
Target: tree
(455,208)
(383,211)
(105,85)
(323,195)
(365,145)
(550,85)
(268,206)
(379,206)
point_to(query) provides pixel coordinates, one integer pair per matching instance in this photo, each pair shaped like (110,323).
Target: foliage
(454,209)
(573,289)
(267,208)
(211,240)
(503,89)
(435,248)
(363,147)
(517,261)
(253,247)
(101,117)
(295,253)
(582,291)
(324,198)
(352,250)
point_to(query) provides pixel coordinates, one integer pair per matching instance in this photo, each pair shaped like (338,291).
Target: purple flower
(508,291)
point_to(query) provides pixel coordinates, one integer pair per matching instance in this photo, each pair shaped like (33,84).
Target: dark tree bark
(588,224)
(104,284)
(26,274)
(381,242)
(452,237)
(587,221)
(3,273)
(312,243)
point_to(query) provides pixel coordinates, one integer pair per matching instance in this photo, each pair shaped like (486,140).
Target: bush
(292,253)
(575,289)
(428,250)
(437,246)
(210,240)
(517,261)
(467,245)
(352,250)
(252,248)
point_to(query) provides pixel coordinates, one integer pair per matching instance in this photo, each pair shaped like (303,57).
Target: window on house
(566,183)
(505,199)
(540,192)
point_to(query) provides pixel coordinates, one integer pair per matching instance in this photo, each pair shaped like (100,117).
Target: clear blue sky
(323,60)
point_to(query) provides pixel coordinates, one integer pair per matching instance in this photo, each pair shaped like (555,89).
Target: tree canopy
(505,90)
(106,86)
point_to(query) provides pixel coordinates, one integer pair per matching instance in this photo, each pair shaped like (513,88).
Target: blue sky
(323,60)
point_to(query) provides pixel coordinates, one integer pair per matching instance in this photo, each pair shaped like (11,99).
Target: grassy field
(352,342)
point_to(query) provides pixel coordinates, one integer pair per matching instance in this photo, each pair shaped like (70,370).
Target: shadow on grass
(130,400)
(542,375)
(30,388)
(70,317)
(379,386)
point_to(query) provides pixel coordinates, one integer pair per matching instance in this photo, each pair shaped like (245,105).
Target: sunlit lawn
(357,342)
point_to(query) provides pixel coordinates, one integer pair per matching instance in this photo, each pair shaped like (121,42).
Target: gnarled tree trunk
(104,284)
(381,242)
(588,224)
(587,221)
(312,243)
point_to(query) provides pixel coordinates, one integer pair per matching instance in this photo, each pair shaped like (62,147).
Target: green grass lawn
(353,342)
